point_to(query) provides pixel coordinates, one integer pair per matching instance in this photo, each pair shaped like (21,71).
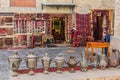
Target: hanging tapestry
(83,24)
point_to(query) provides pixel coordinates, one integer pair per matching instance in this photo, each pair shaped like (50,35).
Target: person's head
(105,32)
(74,28)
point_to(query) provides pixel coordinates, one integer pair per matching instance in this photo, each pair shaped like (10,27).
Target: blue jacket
(107,38)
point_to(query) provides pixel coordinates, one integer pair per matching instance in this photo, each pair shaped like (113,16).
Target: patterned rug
(54,69)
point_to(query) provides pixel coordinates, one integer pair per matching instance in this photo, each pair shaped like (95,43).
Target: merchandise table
(93,45)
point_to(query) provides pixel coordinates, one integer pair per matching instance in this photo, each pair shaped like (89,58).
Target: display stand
(6,30)
(27,27)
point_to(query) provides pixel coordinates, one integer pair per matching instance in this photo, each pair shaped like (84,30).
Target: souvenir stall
(26,29)
(29,26)
(22,24)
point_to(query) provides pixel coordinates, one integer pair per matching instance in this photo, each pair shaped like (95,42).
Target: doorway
(58,29)
(101,20)
(97,28)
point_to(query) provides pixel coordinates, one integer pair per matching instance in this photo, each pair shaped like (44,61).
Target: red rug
(54,69)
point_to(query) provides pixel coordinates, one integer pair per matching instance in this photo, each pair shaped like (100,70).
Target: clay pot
(114,58)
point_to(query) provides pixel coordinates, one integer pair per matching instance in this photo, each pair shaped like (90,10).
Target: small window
(22,3)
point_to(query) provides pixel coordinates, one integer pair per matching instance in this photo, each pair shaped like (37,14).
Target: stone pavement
(4,54)
(78,75)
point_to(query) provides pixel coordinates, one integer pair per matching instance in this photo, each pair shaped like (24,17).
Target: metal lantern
(103,62)
(83,63)
(14,61)
(94,64)
(31,62)
(59,60)
(46,61)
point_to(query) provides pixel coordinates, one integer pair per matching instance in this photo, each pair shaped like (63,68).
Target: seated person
(48,40)
(77,42)
(89,39)
(57,36)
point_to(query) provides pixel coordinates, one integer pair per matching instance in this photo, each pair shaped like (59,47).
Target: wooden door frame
(68,24)
(110,17)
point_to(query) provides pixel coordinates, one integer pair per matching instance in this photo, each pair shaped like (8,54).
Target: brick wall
(81,6)
(117,19)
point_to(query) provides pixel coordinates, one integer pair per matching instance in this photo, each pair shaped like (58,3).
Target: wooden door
(98,28)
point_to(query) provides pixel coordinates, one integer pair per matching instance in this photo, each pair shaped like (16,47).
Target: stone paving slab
(78,75)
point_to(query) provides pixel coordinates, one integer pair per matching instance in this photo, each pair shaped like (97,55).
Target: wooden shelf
(5,26)
(7,36)
(20,34)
